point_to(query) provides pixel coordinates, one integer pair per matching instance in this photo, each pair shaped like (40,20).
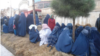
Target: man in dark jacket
(98,23)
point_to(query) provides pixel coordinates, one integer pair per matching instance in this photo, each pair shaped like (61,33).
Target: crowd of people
(87,39)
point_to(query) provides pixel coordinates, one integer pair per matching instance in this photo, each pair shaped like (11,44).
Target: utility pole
(34,19)
(11,7)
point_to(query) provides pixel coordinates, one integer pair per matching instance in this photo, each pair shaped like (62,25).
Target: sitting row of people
(86,43)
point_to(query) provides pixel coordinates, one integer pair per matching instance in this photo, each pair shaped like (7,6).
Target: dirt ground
(21,46)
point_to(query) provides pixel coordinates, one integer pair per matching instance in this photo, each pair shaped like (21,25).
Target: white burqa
(44,34)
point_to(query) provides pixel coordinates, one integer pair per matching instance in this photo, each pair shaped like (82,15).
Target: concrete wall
(91,19)
(46,11)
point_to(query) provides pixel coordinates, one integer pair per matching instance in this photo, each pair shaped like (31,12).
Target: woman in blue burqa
(4,19)
(29,21)
(95,42)
(78,31)
(10,24)
(52,39)
(65,42)
(16,23)
(61,29)
(22,25)
(81,45)
(46,19)
(5,27)
(70,27)
(96,36)
(33,34)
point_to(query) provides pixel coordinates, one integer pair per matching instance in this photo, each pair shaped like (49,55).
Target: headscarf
(31,26)
(51,16)
(45,26)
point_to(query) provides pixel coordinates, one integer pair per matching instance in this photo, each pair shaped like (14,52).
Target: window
(40,5)
(46,5)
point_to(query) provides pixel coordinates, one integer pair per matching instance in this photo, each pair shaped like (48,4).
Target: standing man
(98,23)
(51,22)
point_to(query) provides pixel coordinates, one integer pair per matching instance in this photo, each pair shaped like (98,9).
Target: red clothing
(14,26)
(51,23)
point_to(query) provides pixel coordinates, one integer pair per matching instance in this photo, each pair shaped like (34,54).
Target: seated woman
(52,39)
(61,29)
(81,45)
(33,34)
(5,27)
(78,31)
(65,41)
(70,27)
(95,42)
(44,34)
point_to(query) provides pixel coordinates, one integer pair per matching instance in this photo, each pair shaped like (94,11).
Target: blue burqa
(70,27)
(96,36)
(98,24)
(52,39)
(46,19)
(93,51)
(16,23)
(61,29)
(29,21)
(22,25)
(65,41)
(10,24)
(34,35)
(81,45)
(78,31)
(4,19)
(5,28)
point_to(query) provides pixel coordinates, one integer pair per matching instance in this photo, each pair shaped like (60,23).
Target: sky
(37,0)
(13,3)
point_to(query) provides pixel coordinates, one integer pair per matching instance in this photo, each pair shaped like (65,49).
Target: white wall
(91,19)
